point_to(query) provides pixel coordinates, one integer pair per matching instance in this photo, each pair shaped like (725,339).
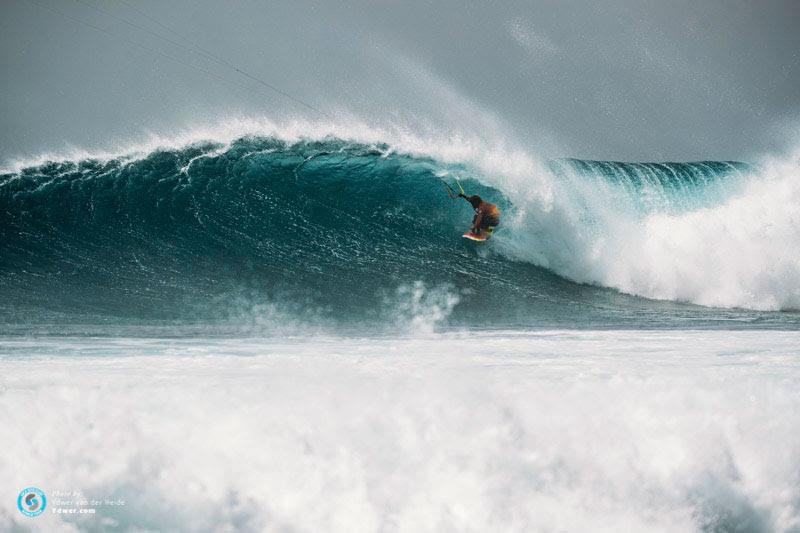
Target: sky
(630,80)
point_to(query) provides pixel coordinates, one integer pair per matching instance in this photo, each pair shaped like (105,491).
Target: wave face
(266,230)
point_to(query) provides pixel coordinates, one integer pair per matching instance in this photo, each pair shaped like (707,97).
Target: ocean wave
(342,222)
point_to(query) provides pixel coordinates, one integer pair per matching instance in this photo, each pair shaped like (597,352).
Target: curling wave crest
(342,223)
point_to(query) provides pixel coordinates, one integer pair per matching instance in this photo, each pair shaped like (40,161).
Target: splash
(716,234)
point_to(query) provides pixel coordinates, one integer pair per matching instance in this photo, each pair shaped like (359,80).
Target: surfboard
(484,236)
(477,238)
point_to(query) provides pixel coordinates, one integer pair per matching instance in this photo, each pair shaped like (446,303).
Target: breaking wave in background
(329,227)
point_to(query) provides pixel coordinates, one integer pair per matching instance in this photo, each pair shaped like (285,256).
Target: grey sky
(623,79)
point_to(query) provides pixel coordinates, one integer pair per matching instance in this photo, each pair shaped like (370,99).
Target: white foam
(419,309)
(740,253)
(551,431)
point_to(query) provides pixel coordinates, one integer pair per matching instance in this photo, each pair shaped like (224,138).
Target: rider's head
(475,200)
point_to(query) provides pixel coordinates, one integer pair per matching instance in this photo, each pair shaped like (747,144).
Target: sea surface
(284,331)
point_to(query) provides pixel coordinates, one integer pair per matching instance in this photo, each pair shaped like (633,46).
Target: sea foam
(548,431)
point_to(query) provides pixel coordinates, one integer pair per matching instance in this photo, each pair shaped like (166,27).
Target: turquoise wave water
(314,232)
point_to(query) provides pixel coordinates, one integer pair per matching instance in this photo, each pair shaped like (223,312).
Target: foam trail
(562,430)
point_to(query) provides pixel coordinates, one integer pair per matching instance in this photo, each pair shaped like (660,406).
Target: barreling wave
(327,227)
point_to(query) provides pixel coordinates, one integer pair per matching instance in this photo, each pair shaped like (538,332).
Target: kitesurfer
(487,215)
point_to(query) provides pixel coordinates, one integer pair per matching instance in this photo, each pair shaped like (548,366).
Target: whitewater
(510,431)
(264,327)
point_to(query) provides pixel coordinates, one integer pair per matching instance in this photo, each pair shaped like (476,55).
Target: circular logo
(31,502)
